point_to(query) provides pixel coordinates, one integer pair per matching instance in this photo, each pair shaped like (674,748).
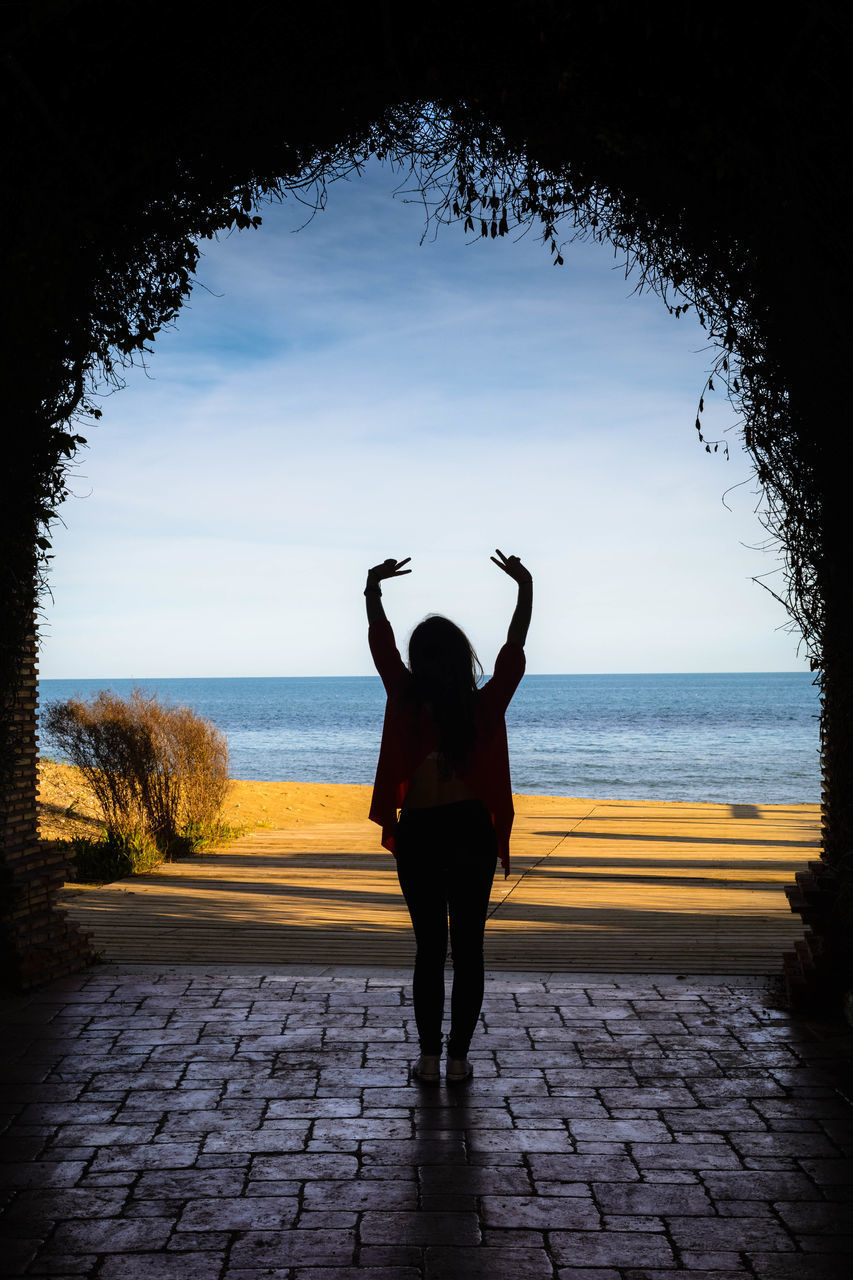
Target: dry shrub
(154,768)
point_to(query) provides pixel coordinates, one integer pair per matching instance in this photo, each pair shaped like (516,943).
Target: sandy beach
(67,807)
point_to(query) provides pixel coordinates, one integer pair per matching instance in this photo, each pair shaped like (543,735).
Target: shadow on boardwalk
(596,887)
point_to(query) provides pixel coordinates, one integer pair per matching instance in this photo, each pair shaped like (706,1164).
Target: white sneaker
(459,1069)
(427,1068)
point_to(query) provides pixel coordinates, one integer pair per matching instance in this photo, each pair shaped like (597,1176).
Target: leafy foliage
(112,857)
(115,855)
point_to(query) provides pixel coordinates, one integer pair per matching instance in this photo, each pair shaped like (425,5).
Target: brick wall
(40,942)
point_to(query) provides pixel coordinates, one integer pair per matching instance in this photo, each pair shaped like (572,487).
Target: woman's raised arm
(372,592)
(520,621)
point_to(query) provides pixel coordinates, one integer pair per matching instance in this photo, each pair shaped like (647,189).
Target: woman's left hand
(513,567)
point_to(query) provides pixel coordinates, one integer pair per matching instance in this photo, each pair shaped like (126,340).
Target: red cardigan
(406,744)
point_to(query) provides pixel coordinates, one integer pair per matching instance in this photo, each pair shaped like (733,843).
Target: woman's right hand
(388,569)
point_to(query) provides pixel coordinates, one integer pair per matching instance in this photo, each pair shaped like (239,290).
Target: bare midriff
(428,789)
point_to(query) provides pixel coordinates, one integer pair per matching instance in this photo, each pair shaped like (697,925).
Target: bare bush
(153,767)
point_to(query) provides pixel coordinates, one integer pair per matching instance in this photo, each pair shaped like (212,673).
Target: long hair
(445,670)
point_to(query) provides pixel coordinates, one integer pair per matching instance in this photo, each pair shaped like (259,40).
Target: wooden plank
(604,886)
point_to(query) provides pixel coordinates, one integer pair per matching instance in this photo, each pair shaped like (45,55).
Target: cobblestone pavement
(261,1125)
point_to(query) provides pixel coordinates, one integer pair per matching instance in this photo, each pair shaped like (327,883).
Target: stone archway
(672,137)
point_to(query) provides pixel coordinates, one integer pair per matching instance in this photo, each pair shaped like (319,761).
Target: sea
(733,738)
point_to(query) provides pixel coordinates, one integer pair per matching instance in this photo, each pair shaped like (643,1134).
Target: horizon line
(372,675)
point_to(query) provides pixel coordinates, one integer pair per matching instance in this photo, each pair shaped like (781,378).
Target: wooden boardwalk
(596,886)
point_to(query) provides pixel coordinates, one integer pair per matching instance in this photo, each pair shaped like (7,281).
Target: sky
(337,392)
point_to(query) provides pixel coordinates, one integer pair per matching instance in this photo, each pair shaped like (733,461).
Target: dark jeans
(445,863)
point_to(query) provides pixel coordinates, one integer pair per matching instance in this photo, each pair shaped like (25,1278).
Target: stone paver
(250,1123)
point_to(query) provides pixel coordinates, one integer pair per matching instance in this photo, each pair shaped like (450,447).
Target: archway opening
(349,387)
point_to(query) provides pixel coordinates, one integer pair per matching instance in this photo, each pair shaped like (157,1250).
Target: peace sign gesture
(388,569)
(513,567)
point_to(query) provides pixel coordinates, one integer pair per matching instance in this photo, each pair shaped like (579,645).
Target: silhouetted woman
(443,763)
